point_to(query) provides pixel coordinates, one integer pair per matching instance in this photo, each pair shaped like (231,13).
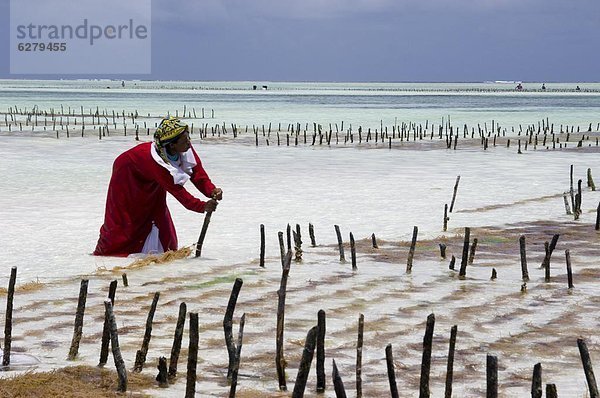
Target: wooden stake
(338,384)
(106,329)
(465,253)
(374,241)
(238,355)
(359,348)
(587,368)
(203,233)
(389,358)
(551,391)
(305,362)
(228,324)
(279,359)
(492,376)
(536,381)
(281,248)
(569,271)
(321,329)
(472,252)
(177,340)
(454,194)
(190,385)
(116,350)
(353,252)
(162,378)
(9,311)
(262,245)
(411,251)
(140,356)
(311,233)
(340,243)
(524,271)
(450,367)
(78,328)
(426,360)
(442,250)
(452,262)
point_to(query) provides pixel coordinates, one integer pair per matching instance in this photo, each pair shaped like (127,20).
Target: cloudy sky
(368,40)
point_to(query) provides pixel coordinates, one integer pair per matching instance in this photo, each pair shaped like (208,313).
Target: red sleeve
(180,193)
(200,179)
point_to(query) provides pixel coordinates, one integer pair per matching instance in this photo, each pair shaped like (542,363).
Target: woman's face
(182,144)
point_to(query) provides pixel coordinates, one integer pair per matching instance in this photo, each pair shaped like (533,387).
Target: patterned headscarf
(168,130)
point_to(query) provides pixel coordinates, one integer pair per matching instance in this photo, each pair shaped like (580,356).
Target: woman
(136,204)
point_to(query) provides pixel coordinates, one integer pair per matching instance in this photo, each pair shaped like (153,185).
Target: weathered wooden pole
(78,328)
(311,233)
(203,233)
(389,359)
(340,243)
(338,383)
(536,381)
(262,245)
(590,180)
(140,356)
(452,262)
(472,252)
(305,362)
(288,230)
(569,270)
(279,358)
(551,391)
(442,250)
(321,329)
(426,360)
(281,248)
(549,251)
(176,348)
(162,377)
(450,367)
(524,271)
(446,218)
(125,280)
(411,251)
(116,350)
(228,324)
(374,241)
(454,194)
(465,253)
(297,247)
(492,376)
(587,368)
(8,322)
(598,217)
(238,356)
(192,363)
(353,252)
(359,348)
(112,289)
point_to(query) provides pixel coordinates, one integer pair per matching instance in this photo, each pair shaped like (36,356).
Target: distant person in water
(519,87)
(577,88)
(137,219)
(543,86)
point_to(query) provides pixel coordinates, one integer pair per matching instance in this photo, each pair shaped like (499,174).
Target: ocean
(54,189)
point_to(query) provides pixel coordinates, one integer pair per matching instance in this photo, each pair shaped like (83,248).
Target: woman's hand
(210,206)
(217,194)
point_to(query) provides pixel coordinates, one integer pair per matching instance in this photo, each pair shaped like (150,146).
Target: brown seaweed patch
(26,287)
(74,381)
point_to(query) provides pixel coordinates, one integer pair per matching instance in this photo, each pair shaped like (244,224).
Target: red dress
(137,198)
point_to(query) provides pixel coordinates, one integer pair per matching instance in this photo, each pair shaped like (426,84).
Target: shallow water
(52,205)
